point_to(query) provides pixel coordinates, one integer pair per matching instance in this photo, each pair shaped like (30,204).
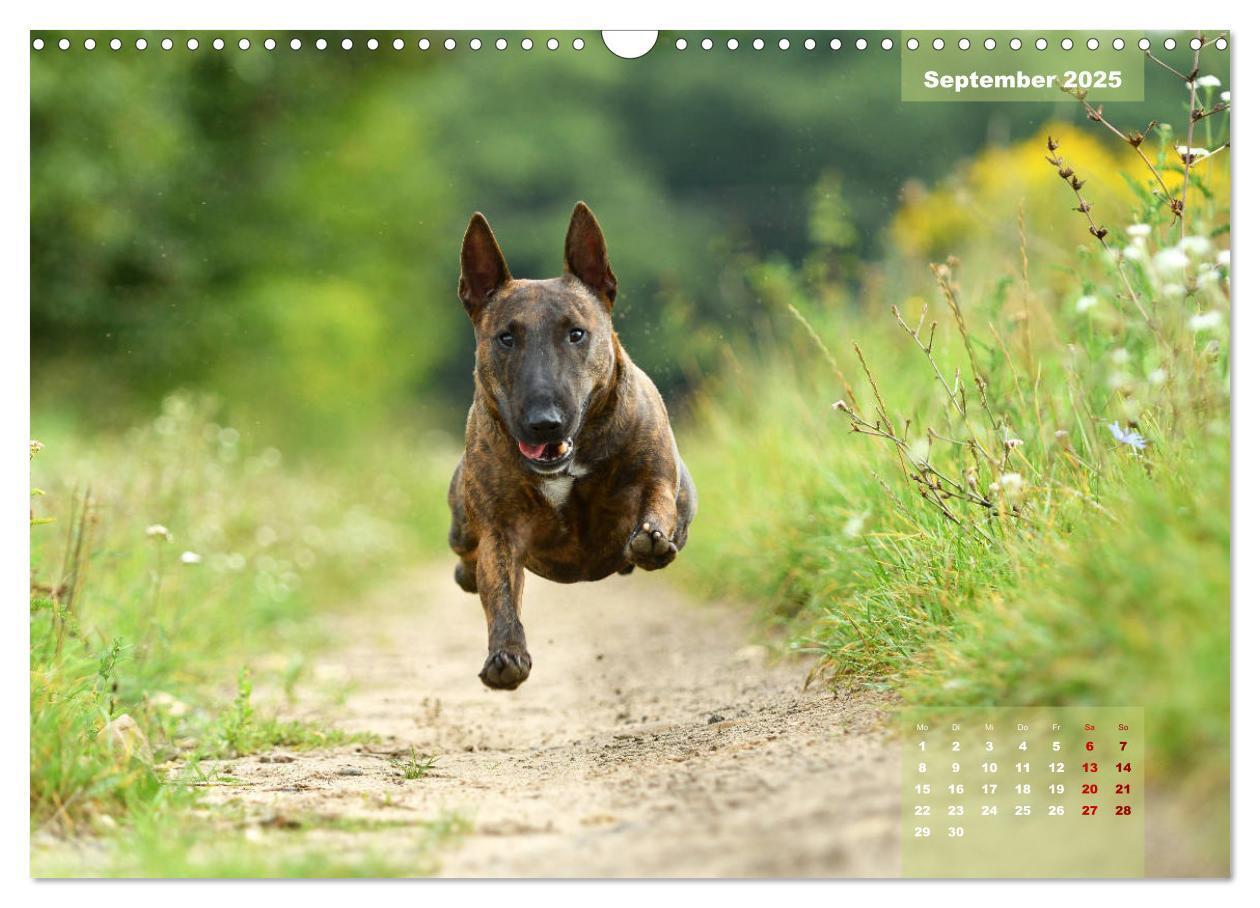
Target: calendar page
(465,442)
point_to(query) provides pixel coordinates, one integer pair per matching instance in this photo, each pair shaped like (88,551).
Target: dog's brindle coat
(570,468)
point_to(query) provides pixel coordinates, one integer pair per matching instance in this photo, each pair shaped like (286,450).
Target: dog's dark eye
(507,340)
(576,335)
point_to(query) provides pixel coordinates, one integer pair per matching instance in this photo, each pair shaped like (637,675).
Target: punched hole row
(502,44)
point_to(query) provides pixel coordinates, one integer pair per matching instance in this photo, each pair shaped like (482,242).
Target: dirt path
(651,740)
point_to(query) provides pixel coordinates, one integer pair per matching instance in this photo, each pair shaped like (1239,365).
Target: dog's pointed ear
(482,268)
(586,256)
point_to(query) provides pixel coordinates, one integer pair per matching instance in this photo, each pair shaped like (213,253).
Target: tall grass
(1011,486)
(172,567)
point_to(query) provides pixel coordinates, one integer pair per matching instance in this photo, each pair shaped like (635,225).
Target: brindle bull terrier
(570,468)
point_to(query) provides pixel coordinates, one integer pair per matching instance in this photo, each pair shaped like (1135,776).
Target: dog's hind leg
(462,540)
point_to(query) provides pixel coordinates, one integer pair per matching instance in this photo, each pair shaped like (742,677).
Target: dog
(570,468)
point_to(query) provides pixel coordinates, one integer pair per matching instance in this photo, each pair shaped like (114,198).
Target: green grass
(961,548)
(175,565)
(304,846)
(415,767)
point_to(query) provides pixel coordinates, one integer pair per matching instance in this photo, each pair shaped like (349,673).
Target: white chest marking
(556,490)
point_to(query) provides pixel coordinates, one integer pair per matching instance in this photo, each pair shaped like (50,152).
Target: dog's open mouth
(551,454)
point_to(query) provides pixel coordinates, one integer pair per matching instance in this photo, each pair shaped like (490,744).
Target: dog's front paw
(649,548)
(505,669)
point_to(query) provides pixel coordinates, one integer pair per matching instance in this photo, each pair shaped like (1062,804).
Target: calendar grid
(1023,792)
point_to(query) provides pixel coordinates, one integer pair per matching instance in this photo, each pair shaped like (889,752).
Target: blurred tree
(283,227)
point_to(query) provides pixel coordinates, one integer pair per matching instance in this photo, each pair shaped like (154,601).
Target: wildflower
(1013,443)
(1170,261)
(1133,252)
(1132,439)
(157,531)
(1195,245)
(1222,258)
(1085,303)
(1207,82)
(1120,356)
(1225,96)
(1205,321)
(853,526)
(36,447)
(1012,484)
(1192,153)
(1208,274)
(1173,291)
(190,558)
(1157,376)
(1138,231)
(841,406)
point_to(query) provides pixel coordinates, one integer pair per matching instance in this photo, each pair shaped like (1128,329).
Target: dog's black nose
(543,422)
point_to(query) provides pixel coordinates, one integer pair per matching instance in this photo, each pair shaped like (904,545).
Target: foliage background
(282,228)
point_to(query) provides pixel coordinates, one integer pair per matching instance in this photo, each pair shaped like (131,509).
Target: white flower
(1205,321)
(190,558)
(1196,245)
(1170,261)
(853,526)
(1120,356)
(1222,258)
(1012,485)
(1225,96)
(1157,376)
(1133,252)
(1085,303)
(1207,82)
(1208,274)
(1173,291)
(1139,230)
(1192,153)
(157,531)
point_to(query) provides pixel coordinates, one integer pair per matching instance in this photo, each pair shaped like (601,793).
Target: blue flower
(1132,439)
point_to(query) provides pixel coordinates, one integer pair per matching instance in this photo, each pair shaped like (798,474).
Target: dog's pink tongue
(533,452)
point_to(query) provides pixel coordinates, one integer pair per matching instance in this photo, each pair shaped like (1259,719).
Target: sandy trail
(651,740)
